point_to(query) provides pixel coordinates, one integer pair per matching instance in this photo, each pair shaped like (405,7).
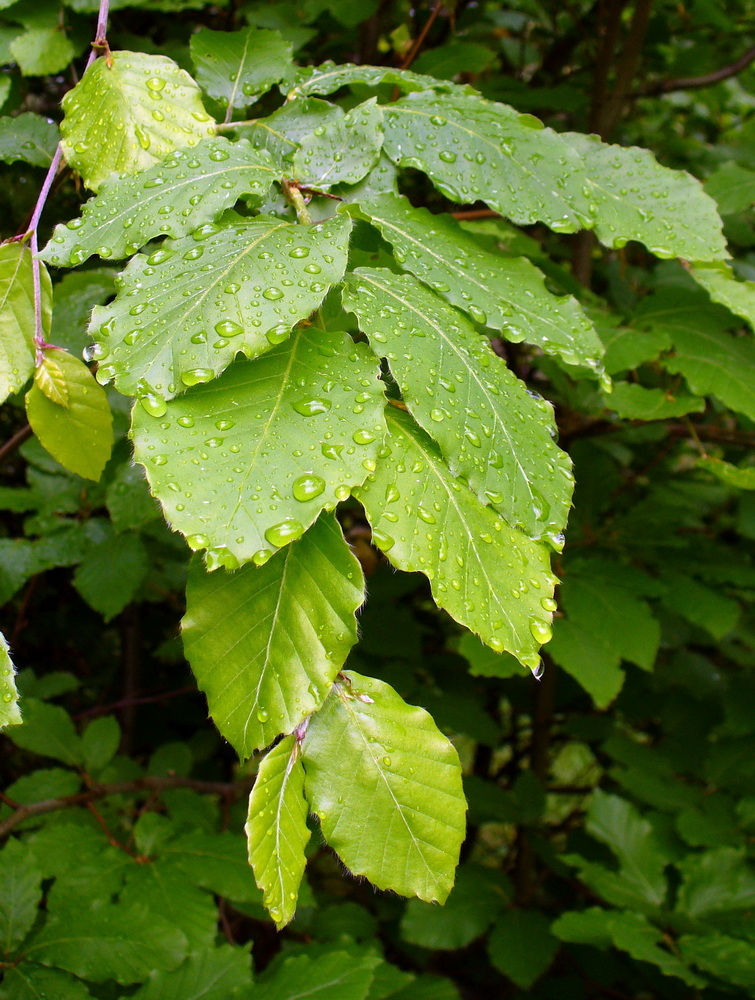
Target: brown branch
(14,443)
(415,49)
(698,82)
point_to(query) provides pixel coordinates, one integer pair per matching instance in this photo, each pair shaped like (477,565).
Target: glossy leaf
(265,643)
(343,151)
(473,149)
(248,462)
(722,285)
(28,137)
(329,77)
(17,323)
(235,67)
(183,192)
(717,364)
(638,199)
(78,434)
(386,786)
(503,293)
(128,112)
(10,713)
(489,577)
(277,803)
(185,311)
(282,132)
(489,428)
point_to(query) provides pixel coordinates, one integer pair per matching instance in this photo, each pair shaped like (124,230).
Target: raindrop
(307,487)
(287,531)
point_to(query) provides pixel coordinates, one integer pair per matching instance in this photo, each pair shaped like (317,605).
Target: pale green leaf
(47,730)
(20,894)
(329,77)
(473,149)
(740,477)
(10,713)
(184,312)
(727,958)
(28,137)
(522,947)
(476,899)
(247,463)
(50,379)
(488,576)
(28,981)
(343,151)
(127,112)
(638,199)
(107,941)
(720,282)
(277,804)
(266,642)
(17,322)
(212,974)
(503,293)
(235,67)
(635,402)
(186,190)
(490,429)
(79,435)
(386,786)
(42,51)
(717,364)
(732,186)
(110,574)
(337,975)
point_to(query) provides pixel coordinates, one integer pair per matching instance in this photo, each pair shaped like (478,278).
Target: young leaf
(503,293)
(79,435)
(235,67)
(717,364)
(279,440)
(50,379)
(185,191)
(638,199)
(17,323)
(20,894)
(28,137)
(210,974)
(42,51)
(265,643)
(128,112)
(489,428)
(344,151)
(184,312)
(386,786)
(488,576)
(10,714)
(277,803)
(473,149)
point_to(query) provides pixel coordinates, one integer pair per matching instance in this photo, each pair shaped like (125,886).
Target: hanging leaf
(490,429)
(28,137)
(503,293)
(243,466)
(80,434)
(128,112)
(277,804)
(343,151)
(184,312)
(721,284)
(10,714)
(375,764)
(17,322)
(638,199)
(235,67)
(488,576)
(473,149)
(185,191)
(265,643)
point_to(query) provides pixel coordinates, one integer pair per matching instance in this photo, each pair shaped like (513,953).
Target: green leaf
(279,439)
(128,112)
(717,364)
(727,958)
(329,77)
(588,926)
(10,713)
(522,947)
(336,975)
(47,730)
(128,499)
(99,742)
(634,402)
(627,348)
(17,323)
(28,137)
(503,293)
(107,941)
(79,435)
(473,149)
(184,312)
(489,428)
(720,283)
(701,605)
(282,132)
(235,67)
(733,187)
(20,894)
(485,662)
(42,51)
(492,578)
(28,981)
(211,974)
(166,892)
(427,988)
(741,478)
(217,862)
(110,574)
(277,803)
(634,934)
(638,199)
(74,298)
(475,901)
(344,151)
(266,643)
(181,193)
(716,882)
(386,786)
(50,379)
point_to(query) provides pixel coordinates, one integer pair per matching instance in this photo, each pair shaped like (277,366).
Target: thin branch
(698,82)
(13,444)
(415,49)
